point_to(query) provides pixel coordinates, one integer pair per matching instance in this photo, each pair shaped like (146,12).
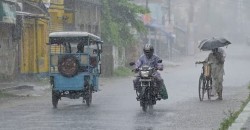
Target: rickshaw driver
(80,48)
(67,47)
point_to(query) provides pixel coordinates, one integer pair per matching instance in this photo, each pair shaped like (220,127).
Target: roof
(72,34)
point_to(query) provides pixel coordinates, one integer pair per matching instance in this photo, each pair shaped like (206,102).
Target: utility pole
(190,44)
(240,19)
(146,4)
(170,28)
(169,11)
(146,40)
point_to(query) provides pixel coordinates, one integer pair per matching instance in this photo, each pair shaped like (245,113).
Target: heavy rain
(124,64)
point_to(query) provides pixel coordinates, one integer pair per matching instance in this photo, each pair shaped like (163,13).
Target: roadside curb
(241,119)
(17,86)
(7,86)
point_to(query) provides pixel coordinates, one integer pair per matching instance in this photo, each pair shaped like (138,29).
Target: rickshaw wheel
(68,65)
(201,88)
(88,95)
(55,99)
(144,106)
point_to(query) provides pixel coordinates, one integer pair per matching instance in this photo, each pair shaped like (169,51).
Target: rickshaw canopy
(62,37)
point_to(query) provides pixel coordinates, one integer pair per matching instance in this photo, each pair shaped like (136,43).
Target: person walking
(217,58)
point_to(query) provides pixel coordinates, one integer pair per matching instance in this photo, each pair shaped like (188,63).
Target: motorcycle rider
(148,58)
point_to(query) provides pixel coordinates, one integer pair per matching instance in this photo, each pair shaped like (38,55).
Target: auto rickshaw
(74,73)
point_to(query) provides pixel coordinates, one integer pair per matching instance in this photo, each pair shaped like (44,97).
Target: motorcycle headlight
(144,73)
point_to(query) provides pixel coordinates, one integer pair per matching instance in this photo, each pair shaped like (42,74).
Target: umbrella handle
(200,62)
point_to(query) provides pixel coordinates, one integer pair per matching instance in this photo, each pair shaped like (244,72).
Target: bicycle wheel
(201,88)
(208,88)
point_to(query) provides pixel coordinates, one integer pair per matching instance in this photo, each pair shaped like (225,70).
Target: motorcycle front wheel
(144,106)
(150,107)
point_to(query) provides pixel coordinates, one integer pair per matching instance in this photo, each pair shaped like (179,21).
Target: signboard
(8,12)
(147,18)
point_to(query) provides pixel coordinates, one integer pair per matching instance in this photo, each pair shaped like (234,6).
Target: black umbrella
(209,44)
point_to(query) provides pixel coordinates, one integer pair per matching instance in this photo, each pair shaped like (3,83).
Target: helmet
(148,50)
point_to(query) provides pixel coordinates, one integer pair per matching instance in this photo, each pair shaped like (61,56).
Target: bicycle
(205,80)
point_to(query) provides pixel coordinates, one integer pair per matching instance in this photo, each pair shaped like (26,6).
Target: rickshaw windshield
(70,44)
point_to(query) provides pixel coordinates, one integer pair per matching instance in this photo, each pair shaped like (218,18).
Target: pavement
(243,120)
(27,89)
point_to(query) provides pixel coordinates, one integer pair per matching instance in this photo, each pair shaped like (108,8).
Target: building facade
(83,15)
(160,34)
(25,26)
(34,22)
(8,41)
(53,16)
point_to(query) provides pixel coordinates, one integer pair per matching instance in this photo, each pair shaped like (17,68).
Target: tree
(118,16)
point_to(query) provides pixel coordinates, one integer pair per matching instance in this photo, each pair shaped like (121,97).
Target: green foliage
(117,16)
(122,72)
(229,120)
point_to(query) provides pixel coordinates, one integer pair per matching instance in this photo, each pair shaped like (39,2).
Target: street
(115,106)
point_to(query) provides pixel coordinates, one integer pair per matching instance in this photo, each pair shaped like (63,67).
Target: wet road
(115,106)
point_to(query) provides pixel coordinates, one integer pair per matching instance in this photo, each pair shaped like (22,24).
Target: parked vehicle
(147,90)
(74,74)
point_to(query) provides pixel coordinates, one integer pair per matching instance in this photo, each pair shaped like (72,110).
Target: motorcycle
(146,87)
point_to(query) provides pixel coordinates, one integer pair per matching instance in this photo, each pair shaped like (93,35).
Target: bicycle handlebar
(203,62)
